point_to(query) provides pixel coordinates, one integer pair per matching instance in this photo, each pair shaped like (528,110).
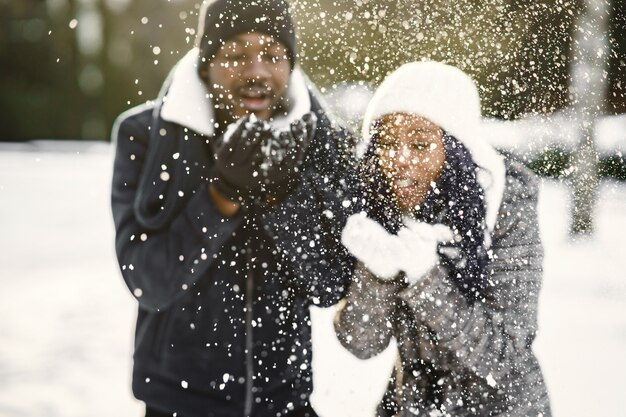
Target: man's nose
(256,69)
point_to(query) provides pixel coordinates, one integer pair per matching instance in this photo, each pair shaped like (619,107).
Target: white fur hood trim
(188,102)
(449,98)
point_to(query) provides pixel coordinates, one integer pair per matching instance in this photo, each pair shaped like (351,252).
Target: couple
(238,204)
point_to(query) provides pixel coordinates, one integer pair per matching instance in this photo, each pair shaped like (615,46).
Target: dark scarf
(457,200)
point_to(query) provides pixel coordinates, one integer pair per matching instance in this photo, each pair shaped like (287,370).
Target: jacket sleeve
(364,319)
(490,337)
(306,227)
(159,265)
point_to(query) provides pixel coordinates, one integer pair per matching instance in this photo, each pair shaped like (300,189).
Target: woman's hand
(371,244)
(413,250)
(419,243)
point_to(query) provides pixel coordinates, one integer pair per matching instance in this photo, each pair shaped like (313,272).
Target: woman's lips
(404,188)
(404,183)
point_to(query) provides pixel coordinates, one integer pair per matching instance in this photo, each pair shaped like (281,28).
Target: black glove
(284,152)
(238,158)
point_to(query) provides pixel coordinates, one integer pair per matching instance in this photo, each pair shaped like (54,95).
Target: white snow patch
(67,319)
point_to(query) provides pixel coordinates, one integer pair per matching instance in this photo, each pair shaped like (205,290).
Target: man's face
(411,153)
(249,74)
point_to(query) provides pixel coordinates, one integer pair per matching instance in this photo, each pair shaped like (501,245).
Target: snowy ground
(66,318)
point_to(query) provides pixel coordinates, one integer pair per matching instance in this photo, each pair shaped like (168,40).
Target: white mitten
(419,247)
(371,244)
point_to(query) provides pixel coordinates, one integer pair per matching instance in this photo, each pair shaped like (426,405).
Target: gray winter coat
(456,358)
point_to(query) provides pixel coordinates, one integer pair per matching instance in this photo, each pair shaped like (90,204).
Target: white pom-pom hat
(448,97)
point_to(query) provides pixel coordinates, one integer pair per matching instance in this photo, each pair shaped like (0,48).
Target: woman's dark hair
(457,201)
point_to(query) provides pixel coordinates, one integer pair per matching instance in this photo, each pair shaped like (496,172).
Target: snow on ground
(66,318)
(536,133)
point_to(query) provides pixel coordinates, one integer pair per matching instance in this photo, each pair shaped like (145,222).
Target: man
(228,200)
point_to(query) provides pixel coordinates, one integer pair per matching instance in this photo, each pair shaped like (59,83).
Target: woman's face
(411,155)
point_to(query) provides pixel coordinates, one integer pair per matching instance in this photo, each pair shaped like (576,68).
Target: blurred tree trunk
(76,111)
(91,43)
(589,86)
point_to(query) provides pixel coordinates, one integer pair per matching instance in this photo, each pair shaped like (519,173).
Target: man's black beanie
(220,20)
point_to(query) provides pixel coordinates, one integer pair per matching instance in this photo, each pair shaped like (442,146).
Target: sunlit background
(70,66)
(552,77)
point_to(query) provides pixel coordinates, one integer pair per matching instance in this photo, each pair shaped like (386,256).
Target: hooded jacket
(223,327)
(458,357)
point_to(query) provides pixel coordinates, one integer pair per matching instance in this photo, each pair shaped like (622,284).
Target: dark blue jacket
(223,324)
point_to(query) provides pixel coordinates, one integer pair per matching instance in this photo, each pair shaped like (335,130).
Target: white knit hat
(448,97)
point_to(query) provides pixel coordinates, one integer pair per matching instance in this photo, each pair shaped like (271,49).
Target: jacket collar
(187,101)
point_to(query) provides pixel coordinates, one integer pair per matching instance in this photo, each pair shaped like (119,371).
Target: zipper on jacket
(249,340)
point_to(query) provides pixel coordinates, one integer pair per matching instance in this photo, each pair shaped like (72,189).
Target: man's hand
(238,158)
(283,153)
(252,160)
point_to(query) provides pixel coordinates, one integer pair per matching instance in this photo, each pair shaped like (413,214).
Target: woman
(449,255)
